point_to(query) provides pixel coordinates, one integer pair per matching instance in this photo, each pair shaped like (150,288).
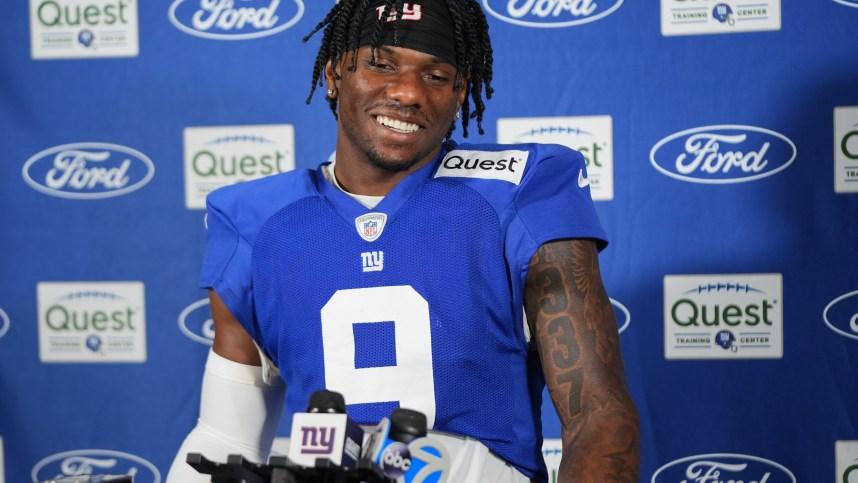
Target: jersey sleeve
(554,201)
(226,265)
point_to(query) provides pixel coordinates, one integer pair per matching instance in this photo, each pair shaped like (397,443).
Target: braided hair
(342,30)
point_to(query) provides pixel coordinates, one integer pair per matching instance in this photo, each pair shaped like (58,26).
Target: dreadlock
(341,35)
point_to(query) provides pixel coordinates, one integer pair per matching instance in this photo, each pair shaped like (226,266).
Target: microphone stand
(279,469)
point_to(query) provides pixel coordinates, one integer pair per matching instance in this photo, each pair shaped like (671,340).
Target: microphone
(325,431)
(400,446)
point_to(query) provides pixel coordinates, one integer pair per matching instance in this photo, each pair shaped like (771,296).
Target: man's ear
(463,92)
(330,77)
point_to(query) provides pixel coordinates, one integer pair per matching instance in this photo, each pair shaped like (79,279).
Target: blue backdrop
(723,144)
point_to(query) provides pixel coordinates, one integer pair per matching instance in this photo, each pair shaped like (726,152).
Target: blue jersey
(414,303)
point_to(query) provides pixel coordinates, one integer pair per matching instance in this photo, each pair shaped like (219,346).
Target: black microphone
(325,431)
(400,446)
(406,425)
(326,402)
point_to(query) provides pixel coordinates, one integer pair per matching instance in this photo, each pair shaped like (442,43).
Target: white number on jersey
(411,380)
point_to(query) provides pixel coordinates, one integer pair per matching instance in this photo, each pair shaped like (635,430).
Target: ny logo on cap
(410,11)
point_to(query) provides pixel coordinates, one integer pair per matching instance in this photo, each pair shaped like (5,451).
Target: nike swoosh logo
(582,181)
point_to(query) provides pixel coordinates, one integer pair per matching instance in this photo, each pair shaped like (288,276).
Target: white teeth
(397,125)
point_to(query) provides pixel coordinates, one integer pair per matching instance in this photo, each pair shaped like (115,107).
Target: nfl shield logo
(371,225)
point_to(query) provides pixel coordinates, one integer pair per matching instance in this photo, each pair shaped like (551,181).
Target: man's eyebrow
(386,49)
(438,60)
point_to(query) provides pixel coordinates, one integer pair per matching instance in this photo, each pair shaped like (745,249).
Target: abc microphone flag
(325,431)
(400,446)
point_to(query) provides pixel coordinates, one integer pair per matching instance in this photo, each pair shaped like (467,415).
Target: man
(397,274)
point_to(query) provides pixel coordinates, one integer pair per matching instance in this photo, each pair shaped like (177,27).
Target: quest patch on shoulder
(502,165)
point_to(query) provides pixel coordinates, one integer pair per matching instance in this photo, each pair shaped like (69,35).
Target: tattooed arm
(576,333)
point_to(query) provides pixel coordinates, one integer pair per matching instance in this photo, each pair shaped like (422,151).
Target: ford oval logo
(624,318)
(196,322)
(725,466)
(4,323)
(848,3)
(550,13)
(86,171)
(235,19)
(93,462)
(841,315)
(723,154)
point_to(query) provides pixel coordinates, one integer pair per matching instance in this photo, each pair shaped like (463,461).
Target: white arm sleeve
(240,411)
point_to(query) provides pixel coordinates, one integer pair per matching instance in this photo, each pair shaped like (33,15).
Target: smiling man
(399,275)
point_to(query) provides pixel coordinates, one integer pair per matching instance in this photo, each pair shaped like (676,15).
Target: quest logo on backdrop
(92,321)
(550,13)
(846,461)
(684,17)
(723,467)
(64,29)
(85,462)
(235,20)
(723,316)
(592,136)
(846,149)
(848,3)
(196,322)
(87,171)
(723,154)
(841,315)
(224,155)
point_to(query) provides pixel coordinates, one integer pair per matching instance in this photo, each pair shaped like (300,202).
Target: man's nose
(408,88)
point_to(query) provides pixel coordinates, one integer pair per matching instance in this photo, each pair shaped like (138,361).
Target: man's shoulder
(278,188)
(248,204)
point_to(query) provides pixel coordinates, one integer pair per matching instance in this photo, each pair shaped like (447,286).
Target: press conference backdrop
(722,146)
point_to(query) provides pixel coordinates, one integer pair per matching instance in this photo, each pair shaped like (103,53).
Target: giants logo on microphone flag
(324,435)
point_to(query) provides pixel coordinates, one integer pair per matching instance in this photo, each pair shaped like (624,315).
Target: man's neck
(368,201)
(359,176)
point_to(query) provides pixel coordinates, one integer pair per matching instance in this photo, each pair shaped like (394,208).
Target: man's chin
(393,164)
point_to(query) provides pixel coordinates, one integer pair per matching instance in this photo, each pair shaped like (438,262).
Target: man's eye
(381,65)
(437,79)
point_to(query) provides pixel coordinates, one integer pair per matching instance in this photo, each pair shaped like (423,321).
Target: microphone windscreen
(326,402)
(407,425)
